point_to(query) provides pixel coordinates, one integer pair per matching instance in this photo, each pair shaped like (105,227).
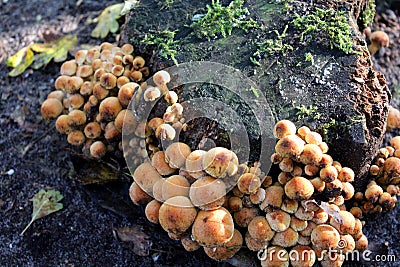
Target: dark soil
(82,232)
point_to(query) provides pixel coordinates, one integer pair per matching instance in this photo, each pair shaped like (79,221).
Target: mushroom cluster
(382,190)
(92,95)
(209,200)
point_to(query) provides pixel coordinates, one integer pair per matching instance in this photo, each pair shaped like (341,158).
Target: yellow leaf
(16,59)
(20,61)
(56,50)
(107,21)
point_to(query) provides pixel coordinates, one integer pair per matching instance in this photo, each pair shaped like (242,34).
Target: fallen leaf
(107,21)
(24,58)
(57,50)
(20,61)
(44,203)
(136,235)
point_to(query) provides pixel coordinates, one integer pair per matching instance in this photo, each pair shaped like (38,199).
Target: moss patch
(330,25)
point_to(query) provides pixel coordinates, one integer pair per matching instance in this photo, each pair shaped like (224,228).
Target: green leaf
(20,61)
(107,21)
(44,203)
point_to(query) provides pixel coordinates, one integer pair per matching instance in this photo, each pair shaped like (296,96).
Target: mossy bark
(350,99)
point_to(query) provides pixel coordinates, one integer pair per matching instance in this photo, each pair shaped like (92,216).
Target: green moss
(330,25)
(220,20)
(271,46)
(303,112)
(309,58)
(166,46)
(369,13)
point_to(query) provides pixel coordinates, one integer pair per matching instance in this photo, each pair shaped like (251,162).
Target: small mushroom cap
(346,243)
(244,216)
(213,227)
(313,138)
(137,195)
(151,211)
(161,78)
(125,119)
(189,244)
(299,188)
(109,108)
(298,224)
(126,92)
(258,197)
(77,117)
(68,68)
(194,165)
(346,174)
(373,193)
(325,237)
(310,227)
(58,94)
(259,229)
(176,154)
(92,130)
(158,162)
(175,185)
(393,119)
(275,256)
(290,205)
(219,162)
(346,224)
(61,82)
(234,204)
(146,176)
(84,71)
(73,84)
(311,154)
(207,193)
(76,101)
(165,132)
(283,128)
(320,216)
(63,125)
(248,183)
(278,220)
(289,146)
(98,149)
(380,38)
(51,108)
(254,244)
(302,214)
(177,214)
(228,250)
(328,174)
(305,256)
(76,138)
(362,243)
(151,94)
(287,238)
(273,197)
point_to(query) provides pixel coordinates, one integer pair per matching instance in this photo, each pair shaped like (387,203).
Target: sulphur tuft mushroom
(220,162)
(378,40)
(177,214)
(213,228)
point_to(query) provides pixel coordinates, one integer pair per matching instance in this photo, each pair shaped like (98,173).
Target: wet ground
(82,232)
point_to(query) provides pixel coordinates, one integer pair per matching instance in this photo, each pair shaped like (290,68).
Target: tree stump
(338,94)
